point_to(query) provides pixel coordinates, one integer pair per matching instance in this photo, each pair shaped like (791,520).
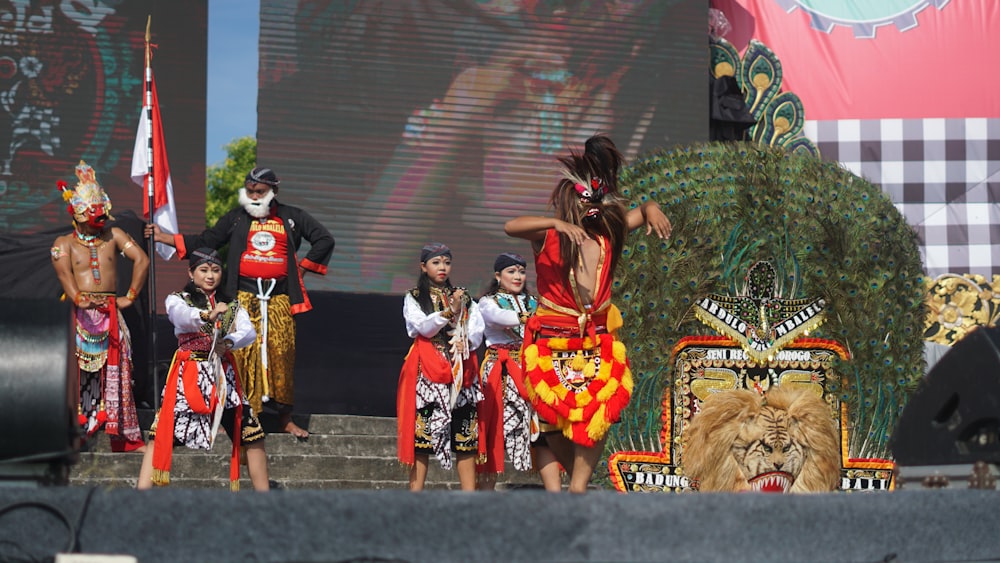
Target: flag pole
(151,206)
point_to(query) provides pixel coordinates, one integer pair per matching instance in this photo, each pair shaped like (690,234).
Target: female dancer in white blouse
(506,420)
(439,384)
(205,321)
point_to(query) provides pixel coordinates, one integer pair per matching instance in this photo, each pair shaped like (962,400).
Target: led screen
(71,83)
(400,123)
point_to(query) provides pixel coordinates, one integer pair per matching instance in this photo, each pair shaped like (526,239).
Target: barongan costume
(505,416)
(190,394)
(269,286)
(576,371)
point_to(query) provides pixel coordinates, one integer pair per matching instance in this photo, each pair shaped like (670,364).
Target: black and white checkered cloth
(942,174)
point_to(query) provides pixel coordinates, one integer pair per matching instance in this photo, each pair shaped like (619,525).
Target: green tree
(223,181)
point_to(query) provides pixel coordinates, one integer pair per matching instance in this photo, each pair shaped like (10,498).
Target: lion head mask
(784,441)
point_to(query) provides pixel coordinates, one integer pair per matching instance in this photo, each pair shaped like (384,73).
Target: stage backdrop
(896,91)
(71,82)
(399,123)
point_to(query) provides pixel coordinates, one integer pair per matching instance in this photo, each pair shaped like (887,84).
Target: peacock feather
(828,233)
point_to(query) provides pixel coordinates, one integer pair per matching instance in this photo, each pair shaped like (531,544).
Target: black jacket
(233,228)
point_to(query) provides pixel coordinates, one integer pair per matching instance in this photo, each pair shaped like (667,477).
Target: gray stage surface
(199,525)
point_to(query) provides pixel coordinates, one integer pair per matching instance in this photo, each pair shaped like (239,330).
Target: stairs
(342,452)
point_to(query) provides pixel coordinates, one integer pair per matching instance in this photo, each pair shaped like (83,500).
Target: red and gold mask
(87,203)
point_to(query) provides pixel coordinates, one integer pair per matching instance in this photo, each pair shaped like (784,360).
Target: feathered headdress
(88,195)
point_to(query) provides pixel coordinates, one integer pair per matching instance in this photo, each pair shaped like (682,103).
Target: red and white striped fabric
(150,155)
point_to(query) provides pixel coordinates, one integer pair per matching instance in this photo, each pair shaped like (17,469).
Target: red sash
(423,357)
(491,438)
(187,378)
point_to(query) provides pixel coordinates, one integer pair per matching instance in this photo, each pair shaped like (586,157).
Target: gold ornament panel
(958,304)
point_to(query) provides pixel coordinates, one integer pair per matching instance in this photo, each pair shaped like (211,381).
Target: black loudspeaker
(39,435)
(954,415)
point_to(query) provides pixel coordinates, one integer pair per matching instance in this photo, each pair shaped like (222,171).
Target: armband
(447,313)
(132,294)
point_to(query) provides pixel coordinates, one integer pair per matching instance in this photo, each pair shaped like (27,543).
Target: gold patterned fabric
(280,353)
(250,429)
(958,304)
(464,429)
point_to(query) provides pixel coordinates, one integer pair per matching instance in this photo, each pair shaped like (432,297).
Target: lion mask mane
(784,441)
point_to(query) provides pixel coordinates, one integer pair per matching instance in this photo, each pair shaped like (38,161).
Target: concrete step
(337,424)
(342,452)
(341,424)
(287,467)
(278,485)
(280,444)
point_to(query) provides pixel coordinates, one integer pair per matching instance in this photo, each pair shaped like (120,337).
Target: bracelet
(204,316)
(447,313)
(78,298)
(132,294)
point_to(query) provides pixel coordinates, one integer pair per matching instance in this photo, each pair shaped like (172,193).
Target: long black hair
(424,292)
(494,287)
(200,300)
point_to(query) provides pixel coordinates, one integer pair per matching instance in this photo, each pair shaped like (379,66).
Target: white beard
(256,208)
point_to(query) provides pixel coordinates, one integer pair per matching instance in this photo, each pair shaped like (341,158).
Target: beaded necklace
(90,241)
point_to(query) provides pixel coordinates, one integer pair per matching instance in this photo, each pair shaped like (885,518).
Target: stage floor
(207,525)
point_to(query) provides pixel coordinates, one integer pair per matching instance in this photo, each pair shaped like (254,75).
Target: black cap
(508,259)
(261,175)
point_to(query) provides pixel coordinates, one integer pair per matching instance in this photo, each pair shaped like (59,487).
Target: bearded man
(85,262)
(263,236)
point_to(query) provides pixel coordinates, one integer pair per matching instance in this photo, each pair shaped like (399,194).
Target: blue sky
(233,29)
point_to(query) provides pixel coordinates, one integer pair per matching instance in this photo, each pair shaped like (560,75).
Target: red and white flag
(150,155)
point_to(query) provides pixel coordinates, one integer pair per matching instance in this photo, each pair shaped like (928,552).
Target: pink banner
(878,59)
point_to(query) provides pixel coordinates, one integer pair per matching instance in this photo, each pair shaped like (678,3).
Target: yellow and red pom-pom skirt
(584,412)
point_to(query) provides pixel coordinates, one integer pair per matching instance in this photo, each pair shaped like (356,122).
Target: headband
(203,255)
(508,259)
(433,250)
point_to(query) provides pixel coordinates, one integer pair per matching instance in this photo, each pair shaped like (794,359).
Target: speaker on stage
(39,437)
(954,415)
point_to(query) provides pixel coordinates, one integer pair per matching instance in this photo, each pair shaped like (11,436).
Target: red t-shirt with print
(266,255)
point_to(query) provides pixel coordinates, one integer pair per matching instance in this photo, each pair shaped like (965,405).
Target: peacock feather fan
(829,234)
